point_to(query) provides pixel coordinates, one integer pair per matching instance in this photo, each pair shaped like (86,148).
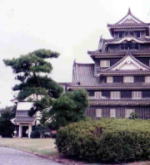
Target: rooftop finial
(129,11)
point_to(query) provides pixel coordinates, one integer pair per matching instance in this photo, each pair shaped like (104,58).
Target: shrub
(6,126)
(35,134)
(40,131)
(106,140)
(133,115)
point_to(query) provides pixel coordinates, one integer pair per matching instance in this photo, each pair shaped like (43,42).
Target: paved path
(10,156)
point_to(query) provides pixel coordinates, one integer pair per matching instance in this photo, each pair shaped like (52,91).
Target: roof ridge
(130,13)
(79,63)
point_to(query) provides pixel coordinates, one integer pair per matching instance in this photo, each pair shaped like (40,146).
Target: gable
(129,19)
(130,63)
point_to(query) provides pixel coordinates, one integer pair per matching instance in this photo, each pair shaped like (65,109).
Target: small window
(136,46)
(120,34)
(146,94)
(104,63)
(122,46)
(118,79)
(147,79)
(138,34)
(128,112)
(126,94)
(136,95)
(91,93)
(139,78)
(131,33)
(112,112)
(126,33)
(105,94)
(128,79)
(97,94)
(98,113)
(115,95)
(109,79)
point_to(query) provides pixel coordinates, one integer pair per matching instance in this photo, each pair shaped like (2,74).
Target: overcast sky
(71,27)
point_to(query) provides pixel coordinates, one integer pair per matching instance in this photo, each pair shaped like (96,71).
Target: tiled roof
(23,117)
(118,53)
(120,86)
(120,73)
(120,102)
(83,74)
(130,20)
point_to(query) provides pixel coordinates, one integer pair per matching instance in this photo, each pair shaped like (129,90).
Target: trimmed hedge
(106,140)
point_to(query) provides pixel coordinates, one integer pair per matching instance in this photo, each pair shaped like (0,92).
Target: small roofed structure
(23,120)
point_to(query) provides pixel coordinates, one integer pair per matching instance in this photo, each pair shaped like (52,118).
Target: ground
(10,156)
(37,146)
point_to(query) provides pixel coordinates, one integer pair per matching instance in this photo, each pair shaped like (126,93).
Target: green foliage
(133,115)
(32,62)
(6,127)
(106,140)
(32,70)
(35,134)
(40,131)
(68,108)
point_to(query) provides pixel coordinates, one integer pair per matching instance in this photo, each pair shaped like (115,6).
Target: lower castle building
(118,82)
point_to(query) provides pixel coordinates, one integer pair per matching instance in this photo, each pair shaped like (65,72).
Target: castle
(118,83)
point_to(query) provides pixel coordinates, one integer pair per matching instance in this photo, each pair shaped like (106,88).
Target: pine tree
(33,72)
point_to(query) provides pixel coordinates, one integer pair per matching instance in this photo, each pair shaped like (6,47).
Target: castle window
(115,95)
(136,95)
(118,79)
(131,33)
(97,94)
(146,94)
(136,46)
(126,33)
(139,78)
(122,46)
(128,112)
(126,94)
(109,79)
(128,79)
(112,112)
(98,113)
(147,79)
(120,34)
(104,63)
(138,34)
(91,93)
(105,94)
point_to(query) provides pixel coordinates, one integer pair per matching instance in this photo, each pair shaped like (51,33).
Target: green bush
(106,140)
(35,134)
(6,126)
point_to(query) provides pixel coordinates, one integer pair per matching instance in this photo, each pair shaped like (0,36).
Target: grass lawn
(37,146)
